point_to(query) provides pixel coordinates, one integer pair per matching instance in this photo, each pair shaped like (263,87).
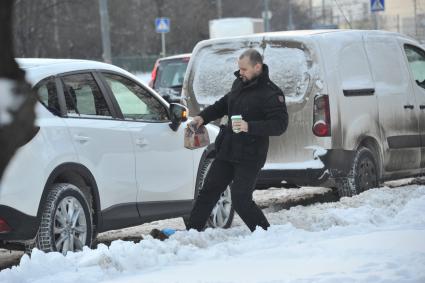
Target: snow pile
(371,209)
(288,69)
(310,164)
(314,163)
(377,236)
(276,199)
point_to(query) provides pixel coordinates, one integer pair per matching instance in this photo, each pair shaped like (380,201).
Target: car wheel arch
(80,176)
(372,144)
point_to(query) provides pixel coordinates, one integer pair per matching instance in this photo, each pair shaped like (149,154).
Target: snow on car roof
(297,34)
(29,63)
(178,56)
(40,68)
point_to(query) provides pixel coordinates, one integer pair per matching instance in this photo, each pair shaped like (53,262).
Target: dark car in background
(168,75)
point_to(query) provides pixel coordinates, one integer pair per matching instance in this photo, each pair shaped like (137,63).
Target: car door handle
(81,139)
(422,106)
(408,106)
(141,142)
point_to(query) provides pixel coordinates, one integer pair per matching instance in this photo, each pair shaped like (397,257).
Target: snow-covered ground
(377,236)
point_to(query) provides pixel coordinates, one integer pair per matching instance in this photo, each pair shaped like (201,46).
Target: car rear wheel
(66,221)
(362,176)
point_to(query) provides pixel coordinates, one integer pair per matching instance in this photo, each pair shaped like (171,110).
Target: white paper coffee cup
(234,119)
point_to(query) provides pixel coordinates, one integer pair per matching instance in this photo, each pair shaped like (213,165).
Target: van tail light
(154,72)
(4,227)
(321,116)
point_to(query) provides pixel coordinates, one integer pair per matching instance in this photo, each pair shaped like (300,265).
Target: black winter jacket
(262,104)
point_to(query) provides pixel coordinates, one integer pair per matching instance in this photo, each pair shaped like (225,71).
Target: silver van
(356,103)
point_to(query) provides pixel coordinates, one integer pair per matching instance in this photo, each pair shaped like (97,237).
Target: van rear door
(293,67)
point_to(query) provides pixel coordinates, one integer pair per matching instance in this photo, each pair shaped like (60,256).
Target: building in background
(226,27)
(404,16)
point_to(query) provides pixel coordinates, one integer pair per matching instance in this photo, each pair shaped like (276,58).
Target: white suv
(109,154)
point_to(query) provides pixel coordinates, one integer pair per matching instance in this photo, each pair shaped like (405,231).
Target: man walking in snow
(241,148)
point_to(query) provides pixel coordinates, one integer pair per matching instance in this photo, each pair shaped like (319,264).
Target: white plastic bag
(195,137)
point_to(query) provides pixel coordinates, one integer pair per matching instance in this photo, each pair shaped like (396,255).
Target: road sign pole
(375,21)
(415,18)
(375,7)
(104,27)
(163,43)
(162,26)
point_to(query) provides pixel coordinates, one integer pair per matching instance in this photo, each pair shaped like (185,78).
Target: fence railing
(135,64)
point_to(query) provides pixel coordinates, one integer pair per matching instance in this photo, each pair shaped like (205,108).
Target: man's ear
(258,67)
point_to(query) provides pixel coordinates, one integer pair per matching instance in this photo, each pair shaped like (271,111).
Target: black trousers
(220,175)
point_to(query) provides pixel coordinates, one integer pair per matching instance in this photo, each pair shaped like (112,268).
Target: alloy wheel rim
(221,211)
(70,226)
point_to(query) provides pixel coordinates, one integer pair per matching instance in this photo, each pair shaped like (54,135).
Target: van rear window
(214,66)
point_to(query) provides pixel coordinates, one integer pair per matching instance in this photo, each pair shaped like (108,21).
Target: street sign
(377,5)
(162,25)
(269,14)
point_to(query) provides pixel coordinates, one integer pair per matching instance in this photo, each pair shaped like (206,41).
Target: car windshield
(171,73)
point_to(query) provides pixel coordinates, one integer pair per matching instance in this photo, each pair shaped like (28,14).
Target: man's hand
(197,121)
(241,125)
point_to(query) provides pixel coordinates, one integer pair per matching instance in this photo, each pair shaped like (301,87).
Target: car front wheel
(66,222)
(223,212)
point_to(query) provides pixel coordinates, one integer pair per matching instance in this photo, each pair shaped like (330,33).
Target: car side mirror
(167,98)
(178,114)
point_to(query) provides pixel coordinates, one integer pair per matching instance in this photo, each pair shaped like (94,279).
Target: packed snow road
(377,236)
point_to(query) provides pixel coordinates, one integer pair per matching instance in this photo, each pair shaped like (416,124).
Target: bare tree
(71,28)
(58,29)
(17,100)
(133,28)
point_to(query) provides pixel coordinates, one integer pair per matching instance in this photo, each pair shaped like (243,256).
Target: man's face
(246,70)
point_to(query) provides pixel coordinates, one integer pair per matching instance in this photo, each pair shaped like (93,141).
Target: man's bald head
(253,55)
(250,64)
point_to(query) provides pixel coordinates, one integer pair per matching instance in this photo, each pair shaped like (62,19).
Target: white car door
(103,145)
(164,168)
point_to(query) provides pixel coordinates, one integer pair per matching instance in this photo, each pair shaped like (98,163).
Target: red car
(168,75)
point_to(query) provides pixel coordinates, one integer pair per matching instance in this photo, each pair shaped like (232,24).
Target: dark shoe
(162,234)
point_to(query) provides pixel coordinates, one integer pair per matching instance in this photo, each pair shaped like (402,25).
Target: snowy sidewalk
(378,236)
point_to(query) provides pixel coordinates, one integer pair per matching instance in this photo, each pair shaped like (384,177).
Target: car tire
(363,174)
(66,222)
(223,213)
